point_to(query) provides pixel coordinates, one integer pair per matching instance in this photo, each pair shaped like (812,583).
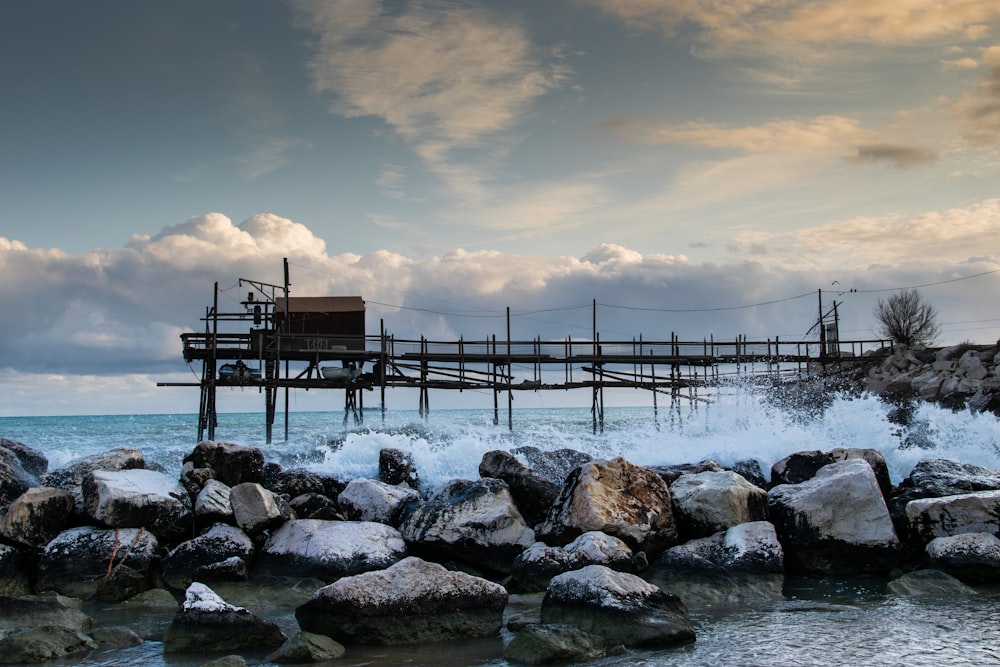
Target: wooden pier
(287,344)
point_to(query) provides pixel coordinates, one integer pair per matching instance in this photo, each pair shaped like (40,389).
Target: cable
(940,282)
(707,310)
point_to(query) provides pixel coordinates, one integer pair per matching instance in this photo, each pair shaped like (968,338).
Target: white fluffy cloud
(120,312)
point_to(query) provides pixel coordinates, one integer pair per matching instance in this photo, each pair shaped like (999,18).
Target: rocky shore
(616,550)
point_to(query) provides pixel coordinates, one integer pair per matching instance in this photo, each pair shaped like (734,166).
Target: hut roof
(321,304)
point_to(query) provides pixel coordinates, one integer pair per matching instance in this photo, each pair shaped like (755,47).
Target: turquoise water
(816,622)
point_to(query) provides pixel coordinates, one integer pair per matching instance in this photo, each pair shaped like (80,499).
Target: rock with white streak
(206,623)
(413,601)
(257,509)
(106,563)
(372,500)
(749,547)
(615,497)
(36,516)
(536,565)
(329,550)
(194,559)
(620,607)
(952,515)
(213,505)
(971,557)
(472,521)
(709,502)
(836,522)
(138,498)
(70,478)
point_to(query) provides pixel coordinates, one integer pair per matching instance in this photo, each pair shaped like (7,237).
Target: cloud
(952,236)
(120,312)
(979,109)
(833,135)
(442,75)
(768,23)
(960,63)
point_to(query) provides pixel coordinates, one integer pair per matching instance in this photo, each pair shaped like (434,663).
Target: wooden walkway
(282,362)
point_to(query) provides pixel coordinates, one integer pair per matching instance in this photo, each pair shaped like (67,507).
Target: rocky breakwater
(957,377)
(619,551)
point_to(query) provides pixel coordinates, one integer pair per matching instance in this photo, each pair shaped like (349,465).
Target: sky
(698,167)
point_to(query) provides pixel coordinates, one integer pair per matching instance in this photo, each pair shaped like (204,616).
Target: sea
(809,621)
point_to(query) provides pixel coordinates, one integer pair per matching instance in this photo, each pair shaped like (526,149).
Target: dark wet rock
(70,477)
(747,547)
(296,481)
(475,522)
(329,550)
(934,478)
(671,473)
(952,515)
(107,563)
(115,636)
(231,464)
(42,644)
(801,466)
(138,499)
(928,583)
(36,516)
(396,467)
(554,465)
(206,623)
(31,460)
(372,500)
(28,611)
(20,469)
(533,493)
(411,602)
(708,502)
(971,557)
(227,661)
(553,643)
(617,498)
(835,522)
(316,506)
(307,647)
(212,504)
(620,607)
(194,559)
(751,471)
(15,571)
(536,565)
(257,509)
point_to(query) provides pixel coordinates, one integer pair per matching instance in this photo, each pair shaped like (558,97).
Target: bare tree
(907,319)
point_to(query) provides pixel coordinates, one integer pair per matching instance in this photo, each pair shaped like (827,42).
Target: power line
(707,310)
(940,282)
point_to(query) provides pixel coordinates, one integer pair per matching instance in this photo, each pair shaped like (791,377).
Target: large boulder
(553,643)
(952,515)
(836,522)
(411,602)
(749,547)
(396,467)
(209,557)
(42,644)
(618,606)
(928,583)
(708,502)
(934,478)
(20,469)
(230,463)
(971,557)
(533,494)
(16,571)
(536,565)
(372,500)
(31,611)
(554,465)
(206,623)
(106,563)
(296,481)
(257,509)
(212,504)
(801,466)
(70,477)
(617,498)
(472,521)
(36,516)
(328,550)
(307,647)
(138,499)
